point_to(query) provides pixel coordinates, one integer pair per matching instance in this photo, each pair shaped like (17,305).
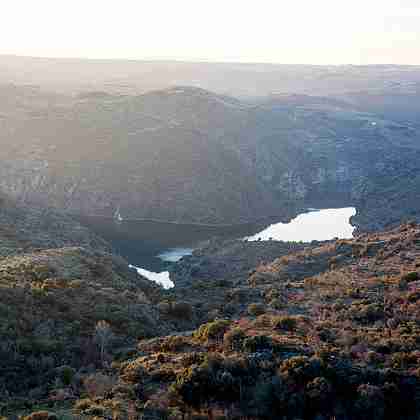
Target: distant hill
(250,80)
(185,154)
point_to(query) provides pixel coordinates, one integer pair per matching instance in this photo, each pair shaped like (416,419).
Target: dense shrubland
(331,331)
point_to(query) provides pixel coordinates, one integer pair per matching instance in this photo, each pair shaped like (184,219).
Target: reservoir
(151,246)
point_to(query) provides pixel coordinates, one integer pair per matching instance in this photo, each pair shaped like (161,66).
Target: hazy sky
(282,31)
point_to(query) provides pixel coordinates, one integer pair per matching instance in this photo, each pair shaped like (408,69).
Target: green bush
(411,276)
(212,330)
(66,374)
(300,369)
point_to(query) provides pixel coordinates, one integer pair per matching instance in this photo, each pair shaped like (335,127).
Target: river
(151,246)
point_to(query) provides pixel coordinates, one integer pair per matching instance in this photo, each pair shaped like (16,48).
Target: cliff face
(185,154)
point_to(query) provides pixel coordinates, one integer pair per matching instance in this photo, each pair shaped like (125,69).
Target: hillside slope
(66,302)
(328,331)
(188,155)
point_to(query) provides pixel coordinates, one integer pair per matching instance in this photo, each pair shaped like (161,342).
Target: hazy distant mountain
(75,75)
(186,154)
(166,154)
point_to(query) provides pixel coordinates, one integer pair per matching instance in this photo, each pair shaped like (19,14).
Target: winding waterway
(151,246)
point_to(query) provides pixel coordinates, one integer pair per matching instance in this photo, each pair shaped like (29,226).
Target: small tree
(103,335)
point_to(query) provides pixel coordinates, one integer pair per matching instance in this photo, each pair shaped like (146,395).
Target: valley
(187,155)
(278,205)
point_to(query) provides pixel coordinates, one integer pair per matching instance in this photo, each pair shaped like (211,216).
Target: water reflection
(319,225)
(175,254)
(160,278)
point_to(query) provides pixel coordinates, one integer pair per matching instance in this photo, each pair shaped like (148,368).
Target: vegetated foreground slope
(188,155)
(66,303)
(322,332)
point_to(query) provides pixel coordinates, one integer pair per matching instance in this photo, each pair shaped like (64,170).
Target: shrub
(194,385)
(263,321)
(300,369)
(181,310)
(192,359)
(411,276)
(66,374)
(95,410)
(133,372)
(233,339)
(286,323)
(212,330)
(401,360)
(257,343)
(277,304)
(173,343)
(98,384)
(211,380)
(41,415)
(318,392)
(124,391)
(83,404)
(256,309)
(370,401)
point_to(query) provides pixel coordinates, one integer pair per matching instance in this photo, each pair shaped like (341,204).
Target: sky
(277,31)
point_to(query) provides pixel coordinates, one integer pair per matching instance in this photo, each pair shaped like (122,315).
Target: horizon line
(199,61)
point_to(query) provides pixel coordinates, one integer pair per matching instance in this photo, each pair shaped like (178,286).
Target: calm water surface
(316,225)
(151,246)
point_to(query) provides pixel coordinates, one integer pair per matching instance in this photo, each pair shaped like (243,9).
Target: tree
(103,335)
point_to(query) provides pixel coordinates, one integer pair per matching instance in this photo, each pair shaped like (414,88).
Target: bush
(95,410)
(83,404)
(411,276)
(286,323)
(181,310)
(173,344)
(66,374)
(257,343)
(318,392)
(370,402)
(41,415)
(211,380)
(255,309)
(133,372)
(212,330)
(300,369)
(233,339)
